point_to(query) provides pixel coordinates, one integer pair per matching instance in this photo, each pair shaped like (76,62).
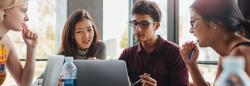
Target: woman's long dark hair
(226,12)
(69,46)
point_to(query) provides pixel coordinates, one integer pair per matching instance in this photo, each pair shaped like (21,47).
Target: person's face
(16,17)
(84,34)
(143,26)
(200,29)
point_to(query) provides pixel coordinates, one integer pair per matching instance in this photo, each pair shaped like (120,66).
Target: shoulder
(170,51)
(100,43)
(242,50)
(64,53)
(10,49)
(99,47)
(170,46)
(7,42)
(132,48)
(61,52)
(100,51)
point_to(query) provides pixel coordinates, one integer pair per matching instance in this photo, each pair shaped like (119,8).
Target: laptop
(53,70)
(101,73)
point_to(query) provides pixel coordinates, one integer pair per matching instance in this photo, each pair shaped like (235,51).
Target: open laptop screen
(101,73)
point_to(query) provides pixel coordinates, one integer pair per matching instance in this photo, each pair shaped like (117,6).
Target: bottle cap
(70,58)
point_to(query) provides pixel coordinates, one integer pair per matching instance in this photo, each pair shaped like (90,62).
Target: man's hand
(147,80)
(92,58)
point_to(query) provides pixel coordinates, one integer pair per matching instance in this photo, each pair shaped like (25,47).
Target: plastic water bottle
(233,73)
(69,73)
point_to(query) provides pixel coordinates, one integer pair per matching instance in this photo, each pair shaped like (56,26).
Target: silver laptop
(101,73)
(53,70)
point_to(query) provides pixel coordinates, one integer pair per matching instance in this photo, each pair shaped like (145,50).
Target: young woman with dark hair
(220,25)
(80,37)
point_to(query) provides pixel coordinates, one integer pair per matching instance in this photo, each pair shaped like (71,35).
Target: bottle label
(69,82)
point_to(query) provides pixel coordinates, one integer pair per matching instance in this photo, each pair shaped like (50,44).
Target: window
(163,28)
(206,54)
(115,26)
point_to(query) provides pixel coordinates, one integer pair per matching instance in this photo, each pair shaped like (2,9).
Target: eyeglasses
(193,21)
(142,24)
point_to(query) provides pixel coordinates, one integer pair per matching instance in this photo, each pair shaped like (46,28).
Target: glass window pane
(208,72)
(115,26)
(42,20)
(163,28)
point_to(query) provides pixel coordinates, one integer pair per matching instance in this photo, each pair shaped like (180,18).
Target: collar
(81,52)
(159,44)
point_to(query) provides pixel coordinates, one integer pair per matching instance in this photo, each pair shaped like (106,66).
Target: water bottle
(69,73)
(233,73)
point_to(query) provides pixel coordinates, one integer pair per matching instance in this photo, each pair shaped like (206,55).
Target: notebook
(101,73)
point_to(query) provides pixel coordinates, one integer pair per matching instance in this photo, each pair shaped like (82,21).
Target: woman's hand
(147,80)
(30,38)
(189,52)
(92,58)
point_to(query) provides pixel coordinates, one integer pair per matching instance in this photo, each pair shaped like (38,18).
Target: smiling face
(201,30)
(16,17)
(84,33)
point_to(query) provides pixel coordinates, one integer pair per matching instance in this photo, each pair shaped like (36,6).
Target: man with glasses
(153,61)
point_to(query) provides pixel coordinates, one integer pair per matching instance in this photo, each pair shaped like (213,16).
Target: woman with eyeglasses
(13,17)
(220,25)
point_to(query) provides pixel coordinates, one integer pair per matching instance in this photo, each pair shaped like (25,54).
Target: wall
(94,7)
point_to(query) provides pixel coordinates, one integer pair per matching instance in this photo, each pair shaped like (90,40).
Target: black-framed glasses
(193,21)
(142,24)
